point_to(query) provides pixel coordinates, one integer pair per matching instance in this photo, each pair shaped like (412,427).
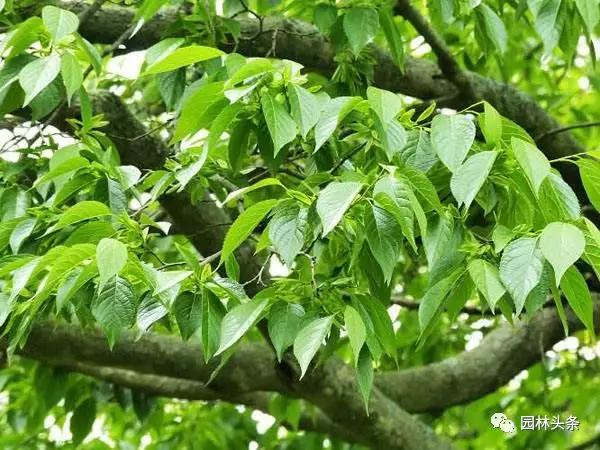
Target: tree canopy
(233,224)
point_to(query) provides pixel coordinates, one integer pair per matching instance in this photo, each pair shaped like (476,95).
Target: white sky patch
(473,340)
(570,344)
(277,268)
(516,382)
(127,66)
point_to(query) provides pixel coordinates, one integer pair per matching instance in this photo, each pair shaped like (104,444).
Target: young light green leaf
(282,127)
(384,236)
(361,26)
(364,376)
(287,229)
(162,49)
(501,236)
(197,110)
(578,295)
(452,137)
(182,57)
(386,104)
(547,23)
(333,201)
(163,281)
(59,22)
(487,280)
(590,176)
(258,185)
(534,163)
(491,124)
(561,244)
(111,257)
(357,333)
(243,226)
(470,176)
(114,308)
(284,323)
(38,74)
(239,320)
(309,340)
(332,114)
(305,108)
(71,74)
(251,69)
(521,268)
(85,210)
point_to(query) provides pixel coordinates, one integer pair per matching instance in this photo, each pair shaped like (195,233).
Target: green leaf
(384,236)
(547,23)
(282,127)
(83,419)
(38,74)
(557,201)
(59,22)
(114,308)
(357,333)
(423,188)
(284,323)
(111,257)
(578,295)
(287,229)
(491,124)
(381,323)
(332,114)
(501,236)
(309,340)
(333,201)
(521,268)
(243,226)
(418,152)
(386,104)
(150,311)
(162,49)
(92,54)
(184,56)
(239,320)
(305,108)
(470,176)
(431,304)
(361,26)
(252,68)
(324,17)
(85,210)
(533,162)
(494,27)
(452,137)
(487,280)
(561,244)
(197,109)
(590,176)
(21,232)
(210,328)
(401,207)
(392,36)
(188,313)
(258,185)
(163,281)
(71,74)
(364,376)
(589,13)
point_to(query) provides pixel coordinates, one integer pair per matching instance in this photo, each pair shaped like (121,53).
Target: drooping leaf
(83,419)
(287,229)
(521,268)
(71,73)
(239,320)
(309,340)
(392,36)
(561,244)
(210,328)
(590,176)
(385,104)
(491,124)
(282,127)
(578,295)
(452,137)
(188,313)
(85,210)
(364,375)
(487,280)
(494,27)
(284,324)
(333,201)
(394,195)
(546,22)
(431,304)
(589,13)
(244,225)
(470,176)
(111,257)
(533,162)
(114,308)
(384,236)
(305,108)
(21,232)
(357,333)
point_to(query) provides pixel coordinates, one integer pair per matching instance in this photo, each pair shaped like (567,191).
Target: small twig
(567,128)
(143,135)
(90,11)
(350,155)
